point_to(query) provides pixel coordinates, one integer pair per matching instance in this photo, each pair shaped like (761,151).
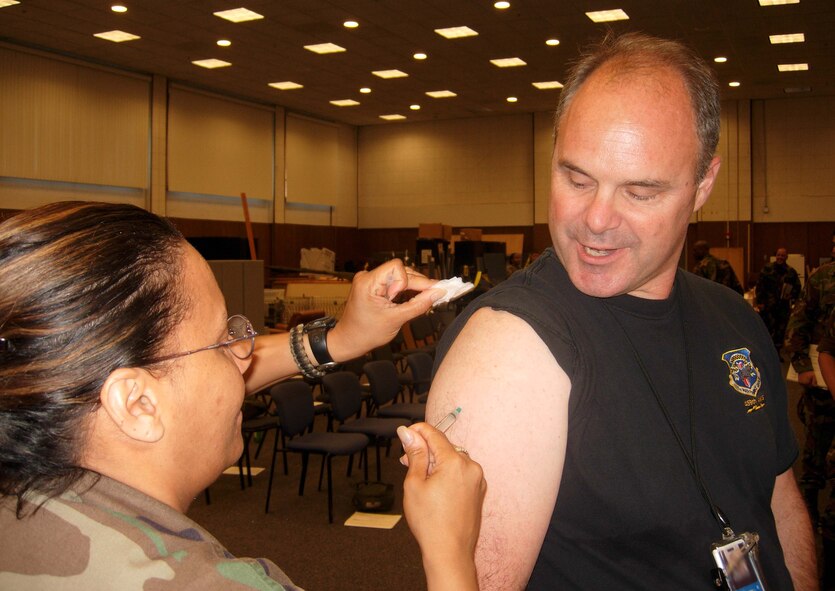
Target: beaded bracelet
(303,362)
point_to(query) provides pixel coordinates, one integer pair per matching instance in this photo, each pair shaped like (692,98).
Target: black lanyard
(690,457)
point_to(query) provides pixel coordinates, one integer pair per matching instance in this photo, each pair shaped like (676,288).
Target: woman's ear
(130,398)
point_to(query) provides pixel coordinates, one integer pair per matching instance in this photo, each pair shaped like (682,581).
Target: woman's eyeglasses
(241,341)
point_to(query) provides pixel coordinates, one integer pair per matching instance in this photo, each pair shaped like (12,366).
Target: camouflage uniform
(809,317)
(718,270)
(107,535)
(777,286)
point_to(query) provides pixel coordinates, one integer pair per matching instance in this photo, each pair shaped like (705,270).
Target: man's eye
(640,196)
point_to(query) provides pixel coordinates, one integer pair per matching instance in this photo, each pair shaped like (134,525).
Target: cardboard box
(470,233)
(441,231)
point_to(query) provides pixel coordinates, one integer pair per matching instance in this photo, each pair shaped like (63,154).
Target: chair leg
(365,464)
(284,451)
(330,492)
(321,473)
(379,467)
(304,472)
(272,471)
(351,464)
(260,443)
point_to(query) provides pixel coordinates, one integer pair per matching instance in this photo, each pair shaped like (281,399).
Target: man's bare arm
(794,528)
(514,400)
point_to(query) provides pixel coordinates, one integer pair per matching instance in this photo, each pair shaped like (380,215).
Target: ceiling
(176,32)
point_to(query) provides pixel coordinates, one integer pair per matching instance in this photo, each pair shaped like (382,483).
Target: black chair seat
(339,444)
(375,427)
(260,424)
(414,411)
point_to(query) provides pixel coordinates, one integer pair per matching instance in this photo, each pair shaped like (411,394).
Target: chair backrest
(382,352)
(294,404)
(422,330)
(344,392)
(420,363)
(382,377)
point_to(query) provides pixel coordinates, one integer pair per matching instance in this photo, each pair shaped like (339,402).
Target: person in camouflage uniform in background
(718,270)
(777,287)
(813,312)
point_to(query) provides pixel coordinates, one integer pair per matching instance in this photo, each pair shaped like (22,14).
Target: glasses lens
(240,328)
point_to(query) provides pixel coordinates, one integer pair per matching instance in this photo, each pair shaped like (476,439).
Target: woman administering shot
(118,366)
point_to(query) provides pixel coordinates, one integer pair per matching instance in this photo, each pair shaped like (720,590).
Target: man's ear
(706,184)
(130,396)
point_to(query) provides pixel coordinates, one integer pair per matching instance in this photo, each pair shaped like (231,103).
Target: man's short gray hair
(634,51)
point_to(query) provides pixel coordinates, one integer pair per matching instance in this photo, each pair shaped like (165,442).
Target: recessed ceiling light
(511,99)
(508,62)
(345,103)
(733,84)
(547,85)
(778,2)
(720,59)
(414,107)
(501,4)
(456,32)
(420,56)
(322,48)
(286,85)
(239,15)
(441,93)
(224,42)
(789,38)
(5,3)
(350,24)
(792,67)
(392,117)
(365,90)
(552,42)
(390,74)
(606,16)
(117,36)
(211,63)
(119,8)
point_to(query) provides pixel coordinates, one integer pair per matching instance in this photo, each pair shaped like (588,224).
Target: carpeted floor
(296,534)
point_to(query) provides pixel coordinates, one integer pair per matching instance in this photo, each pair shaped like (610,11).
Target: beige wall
(794,159)
(731,197)
(73,130)
(476,172)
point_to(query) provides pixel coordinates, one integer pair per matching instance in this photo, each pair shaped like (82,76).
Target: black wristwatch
(317,334)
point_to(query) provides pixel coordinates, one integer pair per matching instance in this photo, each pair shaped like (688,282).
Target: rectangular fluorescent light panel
(390,74)
(508,62)
(345,103)
(5,3)
(778,2)
(211,63)
(239,15)
(441,93)
(547,85)
(791,38)
(116,36)
(322,48)
(392,117)
(288,85)
(607,16)
(456,32)
(792,67)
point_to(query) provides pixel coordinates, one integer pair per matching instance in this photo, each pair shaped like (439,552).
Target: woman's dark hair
(85,288)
